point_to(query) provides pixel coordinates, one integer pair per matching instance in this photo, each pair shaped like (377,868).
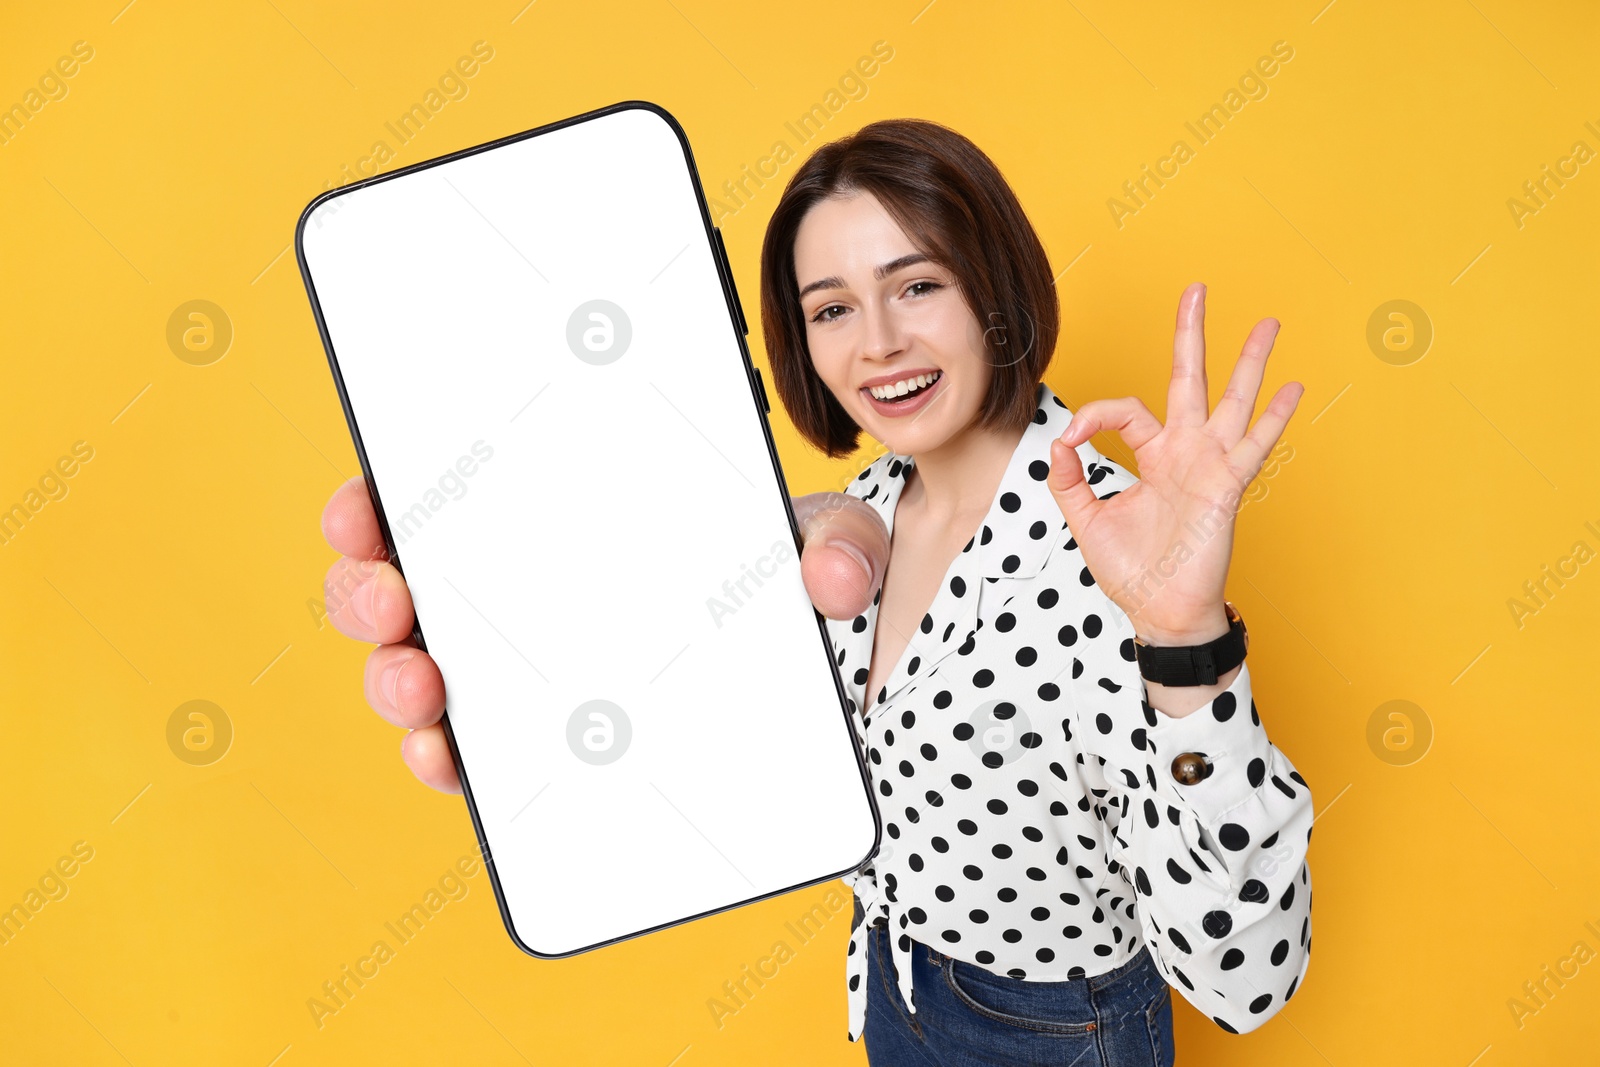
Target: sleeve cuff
(1229,735)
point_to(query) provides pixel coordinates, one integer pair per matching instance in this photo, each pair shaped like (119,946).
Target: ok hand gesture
(1160,549)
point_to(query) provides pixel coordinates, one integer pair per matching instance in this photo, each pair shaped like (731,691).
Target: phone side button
(763,386)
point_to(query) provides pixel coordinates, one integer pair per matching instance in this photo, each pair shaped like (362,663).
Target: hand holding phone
(368,600)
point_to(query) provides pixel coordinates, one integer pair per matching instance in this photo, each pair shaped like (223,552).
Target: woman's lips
(894,409)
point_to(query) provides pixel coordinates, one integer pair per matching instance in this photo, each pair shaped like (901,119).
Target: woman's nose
(881,332)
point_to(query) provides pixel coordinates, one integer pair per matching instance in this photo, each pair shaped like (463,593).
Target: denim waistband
(1096,981)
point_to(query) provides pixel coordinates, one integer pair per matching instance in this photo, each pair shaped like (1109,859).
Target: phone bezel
(758,399)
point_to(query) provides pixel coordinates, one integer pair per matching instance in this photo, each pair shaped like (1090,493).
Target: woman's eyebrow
(880,273)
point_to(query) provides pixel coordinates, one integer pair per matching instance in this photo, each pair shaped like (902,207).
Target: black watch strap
(1195,664)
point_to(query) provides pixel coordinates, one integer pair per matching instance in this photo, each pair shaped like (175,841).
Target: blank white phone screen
(540,364)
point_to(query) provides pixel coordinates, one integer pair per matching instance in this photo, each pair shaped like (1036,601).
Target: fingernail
(389,680)
(361,605)
(856,554)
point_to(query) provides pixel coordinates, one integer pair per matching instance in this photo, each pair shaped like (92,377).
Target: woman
(1076,818)
(1057,848)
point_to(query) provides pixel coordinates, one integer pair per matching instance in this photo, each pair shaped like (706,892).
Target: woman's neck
(961,476)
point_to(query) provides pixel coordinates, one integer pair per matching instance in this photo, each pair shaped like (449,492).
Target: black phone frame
(713,236)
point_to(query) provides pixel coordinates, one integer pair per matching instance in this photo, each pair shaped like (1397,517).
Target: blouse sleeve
(1218,872)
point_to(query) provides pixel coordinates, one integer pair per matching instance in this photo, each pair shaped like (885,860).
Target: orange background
(183,559)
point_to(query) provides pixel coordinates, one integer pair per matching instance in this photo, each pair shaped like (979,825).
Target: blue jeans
(968,1016)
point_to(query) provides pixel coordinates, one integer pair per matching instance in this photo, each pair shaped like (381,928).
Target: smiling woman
(976,254)
(1081,807)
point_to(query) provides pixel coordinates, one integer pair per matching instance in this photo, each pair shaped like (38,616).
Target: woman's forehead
(848,237)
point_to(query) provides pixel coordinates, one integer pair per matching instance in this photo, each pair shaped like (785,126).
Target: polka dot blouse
(1032,821)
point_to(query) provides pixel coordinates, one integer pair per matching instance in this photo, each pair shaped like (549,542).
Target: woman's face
(889,331)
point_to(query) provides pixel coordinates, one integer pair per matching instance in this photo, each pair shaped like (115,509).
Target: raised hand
(1160,549)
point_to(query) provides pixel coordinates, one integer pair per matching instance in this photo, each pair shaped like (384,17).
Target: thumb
(846,552)
(1066,483)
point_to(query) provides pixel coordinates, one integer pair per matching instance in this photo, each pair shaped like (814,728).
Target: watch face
(1235,617)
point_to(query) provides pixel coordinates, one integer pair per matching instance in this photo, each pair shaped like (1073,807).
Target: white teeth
(901,388)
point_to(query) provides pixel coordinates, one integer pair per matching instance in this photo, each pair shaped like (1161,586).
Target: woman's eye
(823,316)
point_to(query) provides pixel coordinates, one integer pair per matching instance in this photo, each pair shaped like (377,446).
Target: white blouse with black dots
(1032,822)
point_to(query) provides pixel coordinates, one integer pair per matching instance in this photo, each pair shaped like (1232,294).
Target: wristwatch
(1195,664)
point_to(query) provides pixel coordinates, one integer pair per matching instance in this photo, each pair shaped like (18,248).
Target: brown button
(1190,767)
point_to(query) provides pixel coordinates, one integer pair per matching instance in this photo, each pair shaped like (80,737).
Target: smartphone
(542,359)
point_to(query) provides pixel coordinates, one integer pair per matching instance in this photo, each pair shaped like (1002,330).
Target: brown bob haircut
(958,210)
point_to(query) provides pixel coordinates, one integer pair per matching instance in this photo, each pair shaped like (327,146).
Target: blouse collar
(1016,535)
(1014,540)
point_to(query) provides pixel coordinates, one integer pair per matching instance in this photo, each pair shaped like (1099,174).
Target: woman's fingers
(1066,483)
(1249,454)
(846,552)
(350,524)
(369,601)
(1187,403)
(403,684)
(427,753)
(1127,415)
(1232,415)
